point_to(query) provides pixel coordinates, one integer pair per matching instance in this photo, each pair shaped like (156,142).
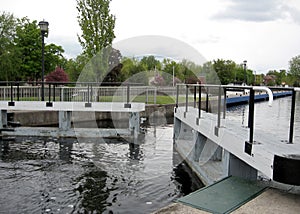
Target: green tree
(115,66)
(294,70)
(170,66)
(225,70)
(97,25)
(133,71)
(128,66)
(280,76)
(209,74)
(150,63)
(239,75)
(8,25)
(29,45)
(73,67)
(9,55)
(250,77)
(20,50)
(187,69)
(54,57)
(196,69)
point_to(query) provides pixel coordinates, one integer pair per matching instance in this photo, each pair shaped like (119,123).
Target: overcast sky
(264,32)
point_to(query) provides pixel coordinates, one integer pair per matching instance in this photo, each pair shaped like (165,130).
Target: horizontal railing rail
(218,94)
(77,92)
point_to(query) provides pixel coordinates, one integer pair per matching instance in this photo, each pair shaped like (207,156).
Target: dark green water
(65,176)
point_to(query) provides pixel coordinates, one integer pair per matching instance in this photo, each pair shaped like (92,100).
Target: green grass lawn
(160,99)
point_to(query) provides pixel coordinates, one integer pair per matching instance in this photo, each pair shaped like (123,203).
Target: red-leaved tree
(58,75)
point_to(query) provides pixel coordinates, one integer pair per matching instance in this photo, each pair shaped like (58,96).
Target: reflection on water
(40,175)
(272,120)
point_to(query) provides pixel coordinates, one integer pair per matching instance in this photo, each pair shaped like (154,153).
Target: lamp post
(245,66)
(44,31)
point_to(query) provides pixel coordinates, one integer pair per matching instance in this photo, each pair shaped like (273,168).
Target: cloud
(69,44)
(294,13)
(159,45)
(254,10)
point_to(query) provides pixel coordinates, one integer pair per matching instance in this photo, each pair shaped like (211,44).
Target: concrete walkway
(271,201)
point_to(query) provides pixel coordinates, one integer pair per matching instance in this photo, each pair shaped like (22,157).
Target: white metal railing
(55,93)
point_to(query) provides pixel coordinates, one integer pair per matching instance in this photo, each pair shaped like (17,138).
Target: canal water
(271,120)
(46,175)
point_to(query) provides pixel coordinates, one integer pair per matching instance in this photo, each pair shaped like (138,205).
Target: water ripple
(48,175)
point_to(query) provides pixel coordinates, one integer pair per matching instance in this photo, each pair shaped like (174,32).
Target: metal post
(88,94)
(49,92)
(207,98)
(127,104)
(88,104)
(49,104)
(248,144)
(43,65)
(199,103)
(245,68)
(128,93)
(224,103)
(177,95)
(18,91)
(91,93)
(147,99)
(4,95)
(251,115)
(291,135)
(11,103)
(186,99)
(155,94)
(53,92)
(11,93)
(61,95)
(219,107)
(195,96)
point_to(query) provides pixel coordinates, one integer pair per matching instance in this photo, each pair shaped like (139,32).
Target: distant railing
(218,95)
(78,92)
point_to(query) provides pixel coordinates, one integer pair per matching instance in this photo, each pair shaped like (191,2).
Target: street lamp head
(44,31)
(245,62)
(44,26)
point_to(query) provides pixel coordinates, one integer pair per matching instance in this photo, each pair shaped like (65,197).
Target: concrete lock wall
(155,115)
(51,118)
(206,158)
(35,118)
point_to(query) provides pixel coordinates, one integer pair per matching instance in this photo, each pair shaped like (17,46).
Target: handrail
(251,101)
(72,83)
(241,87)
(84,93)
(292,117)
(263,88)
